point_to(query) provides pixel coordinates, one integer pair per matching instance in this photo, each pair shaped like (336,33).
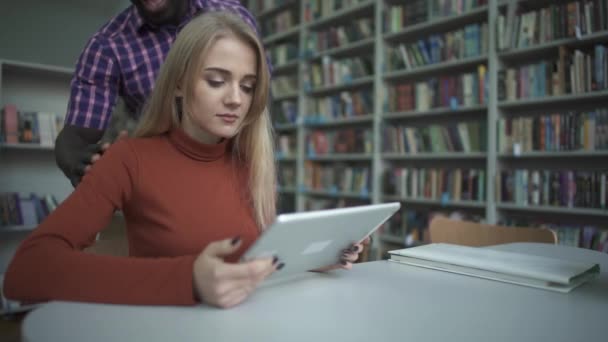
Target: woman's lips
(228,118)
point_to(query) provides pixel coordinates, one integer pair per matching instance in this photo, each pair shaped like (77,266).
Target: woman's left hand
(348,256)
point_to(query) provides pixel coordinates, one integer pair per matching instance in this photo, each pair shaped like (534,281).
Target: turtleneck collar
(197,150)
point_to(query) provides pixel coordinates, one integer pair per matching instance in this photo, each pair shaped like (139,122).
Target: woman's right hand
(223,284)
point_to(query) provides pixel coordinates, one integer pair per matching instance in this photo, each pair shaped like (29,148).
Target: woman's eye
(215,84)
(247,89)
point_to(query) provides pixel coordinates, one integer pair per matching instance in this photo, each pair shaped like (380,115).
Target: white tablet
(309,240)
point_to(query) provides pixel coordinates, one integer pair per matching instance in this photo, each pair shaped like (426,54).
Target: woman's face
(223,91)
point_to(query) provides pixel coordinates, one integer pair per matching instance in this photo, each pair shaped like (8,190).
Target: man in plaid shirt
(123,59)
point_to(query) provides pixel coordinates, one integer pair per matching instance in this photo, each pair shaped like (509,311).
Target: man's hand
(77,148)
(225,285)
(101,149)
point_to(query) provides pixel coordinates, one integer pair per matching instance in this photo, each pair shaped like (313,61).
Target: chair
(469,233)
(112,240)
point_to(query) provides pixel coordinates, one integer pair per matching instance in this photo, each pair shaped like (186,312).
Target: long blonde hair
(253,145)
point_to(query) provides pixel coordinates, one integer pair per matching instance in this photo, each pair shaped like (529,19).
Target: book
(509,267)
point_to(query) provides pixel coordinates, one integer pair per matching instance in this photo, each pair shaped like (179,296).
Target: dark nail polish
(275,259)
(280,266)
(235,240)
(354,248)
(344,262)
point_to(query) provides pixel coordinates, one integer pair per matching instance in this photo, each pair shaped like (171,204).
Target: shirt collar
(195,149)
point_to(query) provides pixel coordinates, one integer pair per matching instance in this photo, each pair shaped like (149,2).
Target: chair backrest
(112,240)
(469,233)
(115,247)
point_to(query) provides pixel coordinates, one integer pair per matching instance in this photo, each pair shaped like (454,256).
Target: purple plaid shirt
(123,59)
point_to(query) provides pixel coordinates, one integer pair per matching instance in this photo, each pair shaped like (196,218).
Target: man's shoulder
(117,25)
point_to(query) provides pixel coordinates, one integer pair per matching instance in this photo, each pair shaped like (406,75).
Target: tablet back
(310,240)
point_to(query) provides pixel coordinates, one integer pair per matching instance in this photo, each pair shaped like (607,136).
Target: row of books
(283,53)
(280,22)
(316,203)
(284,112)
(573,73)
(317,9)
(19,126)
(333,37)
(576,235)
(287,176)
(453,137)
(337,178)
(561,188)
(470,41)
(436,184)
(454,91)
(338,71)
(408,13)
(556,21)
(284,85)
(286,145)
(346,140)
(570,131)
(346,104)
(18,210)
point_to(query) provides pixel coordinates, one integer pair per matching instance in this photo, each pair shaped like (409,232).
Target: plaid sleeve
(94,87)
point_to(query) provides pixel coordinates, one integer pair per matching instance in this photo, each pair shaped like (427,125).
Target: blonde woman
(196,186)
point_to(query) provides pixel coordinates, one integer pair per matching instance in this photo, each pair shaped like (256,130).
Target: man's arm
(74,149)
(93,94)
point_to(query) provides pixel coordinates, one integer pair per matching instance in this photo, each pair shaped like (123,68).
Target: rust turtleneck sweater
(177,195)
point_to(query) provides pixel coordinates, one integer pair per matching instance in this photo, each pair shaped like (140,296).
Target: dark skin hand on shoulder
(77,149)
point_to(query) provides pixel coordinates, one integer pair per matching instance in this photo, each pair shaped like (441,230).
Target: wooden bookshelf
(445,111)
(26,146)
(517,55)
(285,68)
(341,157)
(444,67)
(16,229)
(488,110)
(431,156)
(437,202)
(355,120)
(351,85)
(346,50)
(554,209)
(438,24)
(535,103)
(292,32)
(556,154)
(344,14)
(262,14)
(337,194)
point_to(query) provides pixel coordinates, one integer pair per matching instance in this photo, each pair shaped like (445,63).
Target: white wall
(51,32)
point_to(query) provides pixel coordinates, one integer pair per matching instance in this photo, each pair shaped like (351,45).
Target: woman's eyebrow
(227,73)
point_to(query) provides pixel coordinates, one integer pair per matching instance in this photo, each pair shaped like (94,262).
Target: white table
(376,301)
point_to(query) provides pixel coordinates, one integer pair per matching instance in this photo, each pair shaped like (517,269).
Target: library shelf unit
(30,168)
(480,62)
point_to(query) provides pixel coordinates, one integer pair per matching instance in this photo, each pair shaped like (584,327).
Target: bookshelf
(472,80)
(30,167)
